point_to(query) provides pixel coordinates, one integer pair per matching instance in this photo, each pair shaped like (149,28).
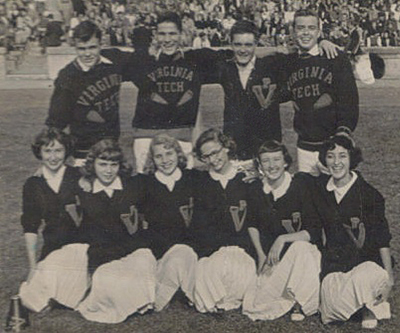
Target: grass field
(23,112)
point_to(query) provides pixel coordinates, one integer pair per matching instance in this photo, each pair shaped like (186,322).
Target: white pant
(62,276)
(176,269)
(294,279)
(223,278)
(121,288)
(308,162)
(343,294)
(362,69)
(141,148)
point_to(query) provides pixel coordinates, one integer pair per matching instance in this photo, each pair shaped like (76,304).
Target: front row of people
(115,245)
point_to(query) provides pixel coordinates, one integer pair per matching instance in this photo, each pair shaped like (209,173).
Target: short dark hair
(244,27)
(49,135)
(273,146)
(86,30)
(109,150)
(216,135)
(304,13)
(168,142)
(344,140)
(170,17)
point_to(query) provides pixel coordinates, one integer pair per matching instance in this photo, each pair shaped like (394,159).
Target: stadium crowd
(205,23)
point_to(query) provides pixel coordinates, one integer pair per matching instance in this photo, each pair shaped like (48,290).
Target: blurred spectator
(24,27)
(141,37)
(4,27)
(201,41)
(54,32)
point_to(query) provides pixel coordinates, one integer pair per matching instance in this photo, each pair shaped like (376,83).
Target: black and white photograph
(199,166)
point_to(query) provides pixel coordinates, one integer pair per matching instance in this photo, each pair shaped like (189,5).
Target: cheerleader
(168,209)
(282,228)
(123,280)
(49,198)
(219,227)
(356,262)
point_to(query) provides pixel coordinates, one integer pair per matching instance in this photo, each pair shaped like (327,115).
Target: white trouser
(295,279)
(121,288)
(343,294)
(62,276)
(308,162)
(223,278)
(176,269)
(141,148)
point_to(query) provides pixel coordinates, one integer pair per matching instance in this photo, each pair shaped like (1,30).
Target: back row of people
(115,245)
(86,95)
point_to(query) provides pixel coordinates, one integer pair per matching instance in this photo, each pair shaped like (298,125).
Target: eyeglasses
(207,157)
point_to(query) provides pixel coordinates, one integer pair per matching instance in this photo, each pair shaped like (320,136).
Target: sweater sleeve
(346,94)
(311,221)
(32,209)
(208,62)
(61,105)
(378,233)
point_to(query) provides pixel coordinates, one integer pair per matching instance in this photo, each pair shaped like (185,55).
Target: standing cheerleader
(168,209)
(282,228)
(123,281)
(219,227)
(356,263)
(50,198)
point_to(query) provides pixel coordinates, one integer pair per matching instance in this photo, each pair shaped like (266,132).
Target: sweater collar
(169,180)
(281,190)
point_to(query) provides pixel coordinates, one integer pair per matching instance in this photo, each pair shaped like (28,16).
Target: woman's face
(106,171)
(273,165)
(53,155)
(215,155)
(338,164)
(165,159)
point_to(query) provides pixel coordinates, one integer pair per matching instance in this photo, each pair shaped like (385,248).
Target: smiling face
(215,156)
(165,159)
(168,37)
(53,156)
(106,171)
(273,165)
(306,32)
(88,52)
(244,48)
(338,164)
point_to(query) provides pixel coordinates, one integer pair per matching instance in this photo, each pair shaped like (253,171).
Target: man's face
(244,48)
(88,52)
(168,37)
(306,32)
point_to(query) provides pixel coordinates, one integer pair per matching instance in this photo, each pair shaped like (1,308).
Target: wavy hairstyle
(215,135)
(168,142)
(109,150)
(346,141)
(47,136)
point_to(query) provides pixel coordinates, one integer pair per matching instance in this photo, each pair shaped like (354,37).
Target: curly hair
(215,135)
(272,146)
(167,142)
(47,136)
(344,140)
(109,150)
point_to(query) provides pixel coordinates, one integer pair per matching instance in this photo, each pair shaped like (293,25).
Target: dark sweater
(220,215)
(88,102)
(41,204)
(363,207)
(251,115)
(167,214)
(326,96)
(292,212)
(111,226)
